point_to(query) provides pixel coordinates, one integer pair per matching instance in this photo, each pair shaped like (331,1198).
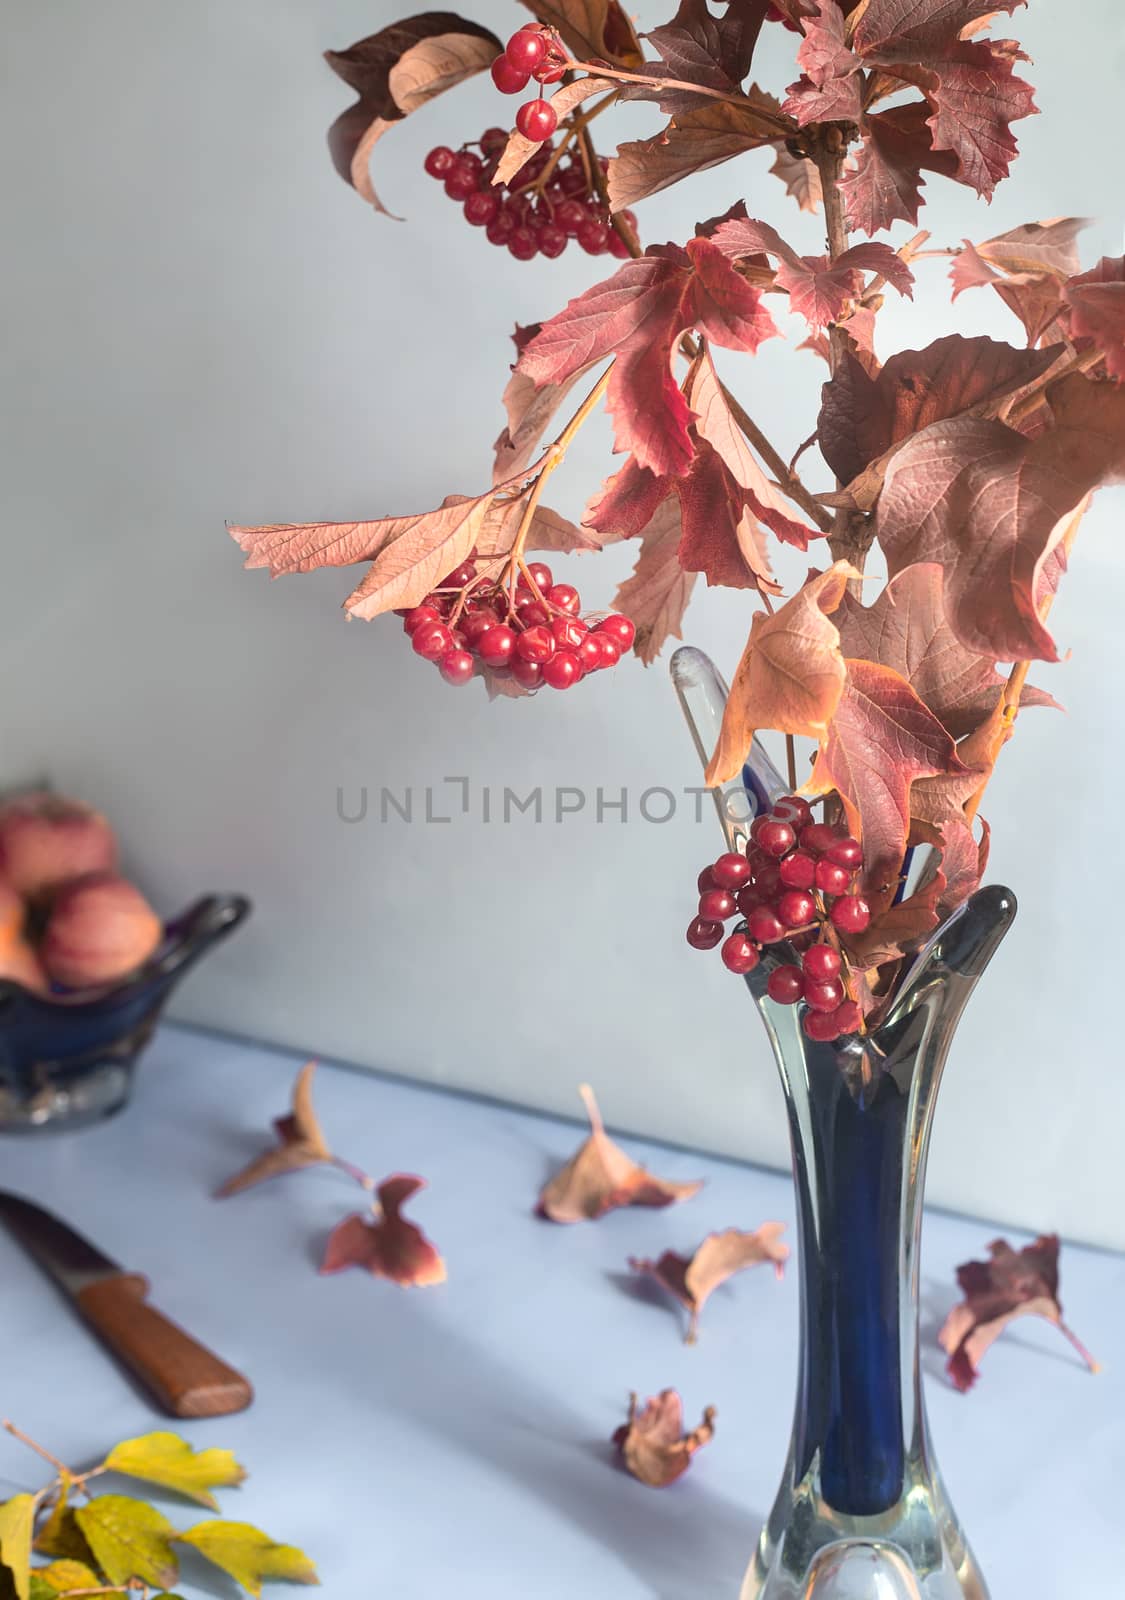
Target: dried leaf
(696,141)
(819,288)
(1097,311)
(791,675)
(1011,1284)
(530,408)
(600,1177)
(591,29)
(167,1459)
(248,1554)
(1035,247)
(637,316)
(17,1519)
(829,88)
(800,177)
(394,72)
(693,1278)
(301,1141)
(385,1243)
(129,1539)
(901,928)
(626,503)
(656,596)
(653,1444)
(721,535)
(884,183)
(699,48)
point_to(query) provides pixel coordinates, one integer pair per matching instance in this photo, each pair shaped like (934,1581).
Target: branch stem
(783,126)
(554,458)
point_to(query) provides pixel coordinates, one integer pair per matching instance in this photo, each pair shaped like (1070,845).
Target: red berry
(552,240)
(717,905)
(817,837)
(821,963)
(740,954)
(593,236)
(460,576)
(540,574)
(830,878)
(528,674)
(501,228)
(526,49)
(573,181)
(474,623)
(796,908)
(468,163)
(508,79)
(705,881)
(460,185)
(537,119)
(618,247)
(533,615)
(549,72)
(749,899)
(767,876)
(563,669)
(703,935)
(619,628)
(846,852)
(731,871)
(420,614)
(775,838)
(609,647)
(785,986)
(847,1017)
(823,996)
(569,216)
(439,162)
(765,925)
(456,666)
(482,206)
(792,809)
(821,1026)
(493,140)
(850,914)
(432,640)
(535,644)
(523,244)
(590,653)
(567,632)
(495,647)
(797,870)
(564,597)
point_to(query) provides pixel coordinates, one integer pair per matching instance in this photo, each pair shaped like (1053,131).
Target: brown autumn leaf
(383,1242)
(991,505)
(653,1444)
(881,738)
(695,141)
(301,1141)
(394,72)
(899,928)
(800,177)
(693,1278)
(656,596)
(592,29)
(530,407)
(791,675)
(1097,311)
(1010,1284)
(600,1177)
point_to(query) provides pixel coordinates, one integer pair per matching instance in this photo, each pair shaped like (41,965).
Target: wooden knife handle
(182,1375)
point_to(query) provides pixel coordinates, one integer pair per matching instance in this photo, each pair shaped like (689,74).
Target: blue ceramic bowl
(67,1058)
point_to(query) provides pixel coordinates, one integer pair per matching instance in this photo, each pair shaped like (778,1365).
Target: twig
(554,458)
(18,1433)
(784,126)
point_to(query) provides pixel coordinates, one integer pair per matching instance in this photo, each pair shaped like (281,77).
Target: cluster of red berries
(531,52)
(798,881)
(533,636)
(517,214)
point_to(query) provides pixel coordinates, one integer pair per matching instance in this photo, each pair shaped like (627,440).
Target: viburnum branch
(787,480)
(364,1179)
(552,459)
(578,121)
(784,126)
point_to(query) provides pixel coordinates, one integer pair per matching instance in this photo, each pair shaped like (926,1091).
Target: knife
(182,1375)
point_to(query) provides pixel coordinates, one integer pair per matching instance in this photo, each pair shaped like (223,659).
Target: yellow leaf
(129,1539)
(61,1576)
(17,1517)
(248,1554)
(167,1459)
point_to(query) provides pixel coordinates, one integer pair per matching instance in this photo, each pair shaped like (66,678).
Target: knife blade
(182,1375)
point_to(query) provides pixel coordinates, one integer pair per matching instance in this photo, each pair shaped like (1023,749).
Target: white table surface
(453,1441)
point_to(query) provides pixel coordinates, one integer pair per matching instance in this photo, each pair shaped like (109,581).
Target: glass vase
(862,1513)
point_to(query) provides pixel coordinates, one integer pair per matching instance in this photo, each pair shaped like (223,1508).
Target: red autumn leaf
(1011,1284)
(990,505)
(818,287)
(638,316)
(693,1278)
(301,1142)
(1097,311)
(626,503)
(600,1177)
(721,536)
(656,596)
(862,415)
(653,1444)
(829,88)
(791,674)
(699,48)
(1028,268)
(884,183)
(716,132)
(592,30)
(800,177)
(384,1243)
(394,72)
(880,739)
(906,629)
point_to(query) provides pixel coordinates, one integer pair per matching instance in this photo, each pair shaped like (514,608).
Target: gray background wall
(203,323)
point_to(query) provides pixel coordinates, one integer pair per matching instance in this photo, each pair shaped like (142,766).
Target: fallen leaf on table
(1014,1283)
(167,1459)
(384,1242)
(600,1177)
(692,1278)
(300,1141)
(17,1517)
(248,1554)
(129,1539)
(653,1444)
